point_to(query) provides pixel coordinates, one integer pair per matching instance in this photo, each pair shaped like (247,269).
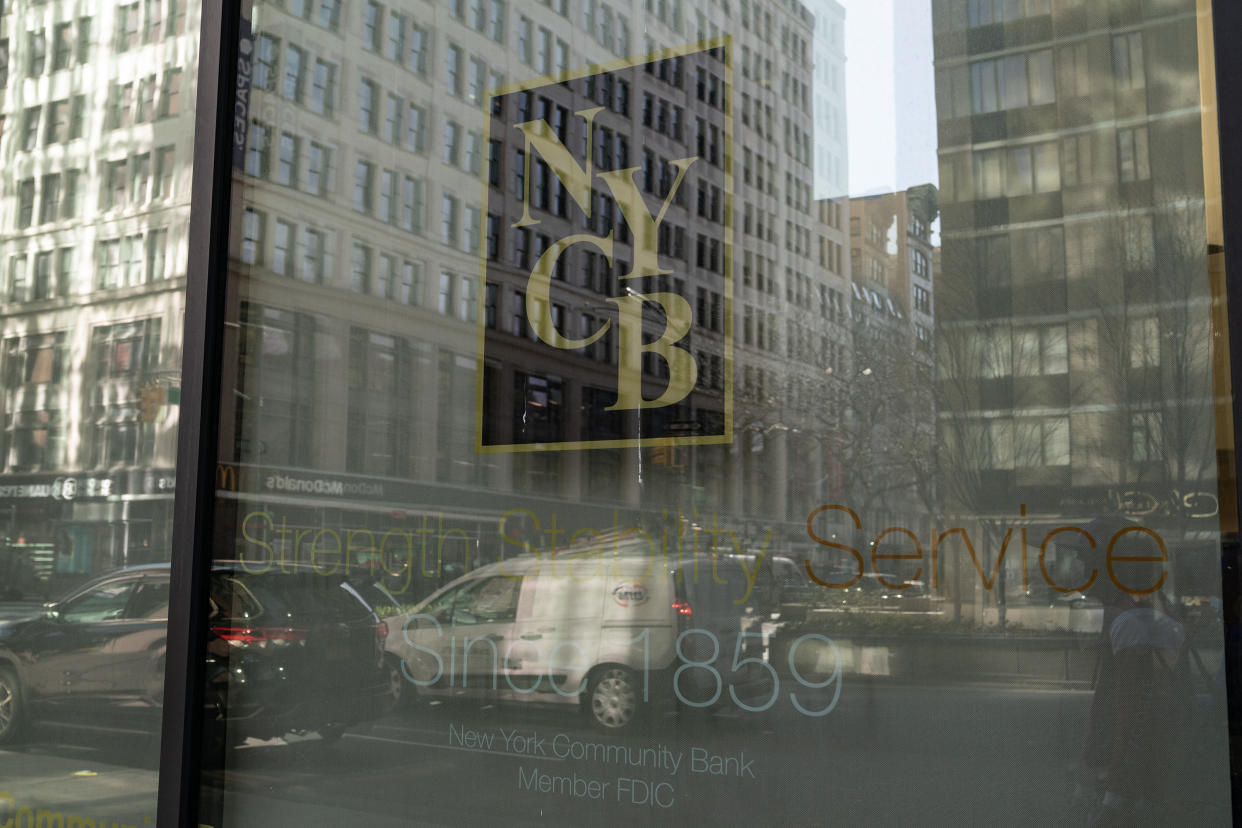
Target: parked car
(289,649)
(589,627)
(796,593)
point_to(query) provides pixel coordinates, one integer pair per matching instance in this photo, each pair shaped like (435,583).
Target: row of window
(305,253)
(662,116)
(126,182)
(1043,350)
(1031,442)
(797,142)
(57,195)
(43,275)
(59,121)
(710,89)
(753,167)
(323,13)
(1079,250)
(803,343)
(796,91)
(987,12)
(148,22)
(134,259)
(299,69)
(70,46)
(540,50)
(1047,167)
(798,193)
(300,163)
(1030,78)
(759,271)
(118,436)
(144,100)
(609,28)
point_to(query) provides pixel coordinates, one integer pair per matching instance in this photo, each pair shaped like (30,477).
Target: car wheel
(397,691)
(10,706)
(612,698)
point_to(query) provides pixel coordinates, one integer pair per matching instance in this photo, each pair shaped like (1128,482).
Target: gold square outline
(725,438)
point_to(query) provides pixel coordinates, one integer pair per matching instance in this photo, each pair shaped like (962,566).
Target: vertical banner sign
(607,268)
(241,106)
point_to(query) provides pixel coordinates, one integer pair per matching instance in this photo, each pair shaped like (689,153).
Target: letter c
(1043,566)
(657,795)
(539,292)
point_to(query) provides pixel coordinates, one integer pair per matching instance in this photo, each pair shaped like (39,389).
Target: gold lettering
(539,292)
(644,227)
(682,369)
(577,180)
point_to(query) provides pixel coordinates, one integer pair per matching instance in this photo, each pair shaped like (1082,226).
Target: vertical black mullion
(1227,27)
(193,506)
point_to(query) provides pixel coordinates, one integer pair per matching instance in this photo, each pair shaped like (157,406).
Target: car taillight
(683,607)
(260,635)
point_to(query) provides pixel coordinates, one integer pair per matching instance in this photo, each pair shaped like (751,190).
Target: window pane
(704,390)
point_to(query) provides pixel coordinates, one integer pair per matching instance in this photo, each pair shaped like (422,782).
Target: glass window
(808,392)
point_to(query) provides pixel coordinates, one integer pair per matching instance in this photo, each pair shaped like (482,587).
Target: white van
(595,625)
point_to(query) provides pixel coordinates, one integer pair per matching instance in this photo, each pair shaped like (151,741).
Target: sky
(890,95)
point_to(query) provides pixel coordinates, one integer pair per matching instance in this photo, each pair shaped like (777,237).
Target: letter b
(682,369)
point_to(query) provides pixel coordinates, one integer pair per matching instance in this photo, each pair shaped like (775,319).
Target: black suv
(290,649)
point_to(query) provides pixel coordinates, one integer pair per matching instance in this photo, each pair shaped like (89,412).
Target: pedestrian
(1124,773)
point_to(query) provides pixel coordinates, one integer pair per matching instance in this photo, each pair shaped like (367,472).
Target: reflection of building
(359,312)
(889,386)
(92,253)
(832,170)
(1074,346)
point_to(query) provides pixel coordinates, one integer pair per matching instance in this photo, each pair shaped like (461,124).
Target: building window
(452,70)
(1040,350)
(170,96)
(444,303)
(295,63)
(323,93)
(1128,61)
(317,160)
(1012,82)
(258,150)
(420,47)
(266,56)
(410,289)
(287,163)
(252,237)
(1144,335)
(393,107)
(360,269)
(493,237)
(1146,439)
(412,204)
(452,143)
(448,220)
(1133,163)
(367,93)
(372,15)
(364,183)
(282,247)
(416,129)
(394,44)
